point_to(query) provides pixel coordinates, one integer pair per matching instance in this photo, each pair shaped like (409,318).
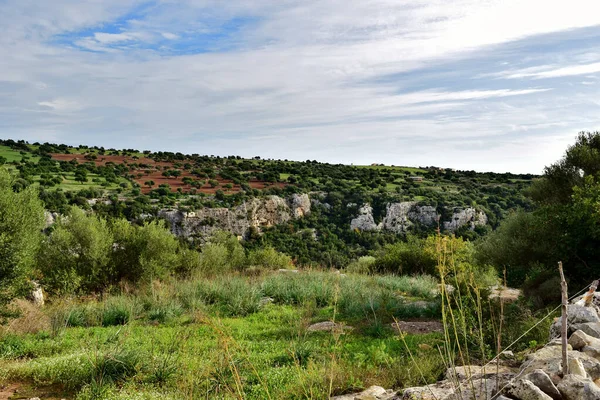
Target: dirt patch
(418,327)
(7,391)
(19,391)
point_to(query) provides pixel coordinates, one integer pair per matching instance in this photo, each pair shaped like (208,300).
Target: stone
(372,393)
(591,328)
(524,389)
(506,294)
(576,368)
(328,326)
(541,379)
(591,351)
(575,315)
(437,391)
(575,387)
(417,327)
(265,300)
(549,359)
(37,294)
(476,372)
(580,339)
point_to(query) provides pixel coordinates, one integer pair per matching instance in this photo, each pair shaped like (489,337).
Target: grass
(218,338)
(14,155)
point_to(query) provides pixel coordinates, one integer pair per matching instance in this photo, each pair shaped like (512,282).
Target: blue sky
(500,85)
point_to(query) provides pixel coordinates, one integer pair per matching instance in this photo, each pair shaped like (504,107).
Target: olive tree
(21,223)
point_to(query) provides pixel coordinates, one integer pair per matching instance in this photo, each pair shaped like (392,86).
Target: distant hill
(133,184)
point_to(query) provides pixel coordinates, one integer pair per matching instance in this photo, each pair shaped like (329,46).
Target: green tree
(81,175)
(75,256)
(564,226)
(21,222)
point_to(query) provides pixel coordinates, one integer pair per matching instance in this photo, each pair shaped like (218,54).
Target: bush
(75,256)
(364,265)
(21,221)
(269,258)
(223,253)
(407,257)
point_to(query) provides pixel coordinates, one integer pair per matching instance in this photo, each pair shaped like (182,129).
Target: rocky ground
(539,377)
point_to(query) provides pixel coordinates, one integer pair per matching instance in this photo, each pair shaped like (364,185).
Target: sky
(486,85)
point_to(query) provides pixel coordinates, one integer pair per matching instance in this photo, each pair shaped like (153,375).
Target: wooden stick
(563,328)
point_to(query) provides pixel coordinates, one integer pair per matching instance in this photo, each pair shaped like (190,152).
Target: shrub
(21,221)
(75,256)
(407,257)
(269,258)
(364,265)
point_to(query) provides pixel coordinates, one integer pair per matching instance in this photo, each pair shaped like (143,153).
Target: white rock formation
(400,217)
(364,221)
(257,212)
(467,216)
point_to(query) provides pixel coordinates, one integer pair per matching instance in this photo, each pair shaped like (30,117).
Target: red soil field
(153,173)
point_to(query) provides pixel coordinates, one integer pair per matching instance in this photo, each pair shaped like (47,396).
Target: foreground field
(228,337)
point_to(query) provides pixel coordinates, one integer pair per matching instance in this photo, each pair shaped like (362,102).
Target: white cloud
(169,35)
(311,79)
(570,70)
(107,38)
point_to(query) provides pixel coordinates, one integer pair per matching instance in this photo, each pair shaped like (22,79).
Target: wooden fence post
(563,328)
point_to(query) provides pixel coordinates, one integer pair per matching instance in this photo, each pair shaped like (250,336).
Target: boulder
(505,294)
(591,328)
(575,387)
(477,372)
(328,326)
(524,389)
(576,315)
(576,368)
(372,393)
(580,339)
(437,391)
(37,294)
(549,359)
(541,379)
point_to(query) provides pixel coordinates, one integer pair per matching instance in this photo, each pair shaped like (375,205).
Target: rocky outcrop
(400,217)
(365,222)
(257,212)
(538,378)
(470,217)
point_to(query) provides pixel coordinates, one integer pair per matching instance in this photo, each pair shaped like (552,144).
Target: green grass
(14,155)
(214,338)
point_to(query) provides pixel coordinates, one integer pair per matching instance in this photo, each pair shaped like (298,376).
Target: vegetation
(21,221)
(135,312)
(563,226)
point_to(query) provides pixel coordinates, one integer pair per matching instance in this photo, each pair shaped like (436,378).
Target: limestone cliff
(400,217)
(256,212)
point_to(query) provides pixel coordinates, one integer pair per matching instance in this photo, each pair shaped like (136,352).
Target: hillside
(344,201)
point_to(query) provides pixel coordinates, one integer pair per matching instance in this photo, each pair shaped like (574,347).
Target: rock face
(400,217)
(364,221)
(465,217)
(257,213)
